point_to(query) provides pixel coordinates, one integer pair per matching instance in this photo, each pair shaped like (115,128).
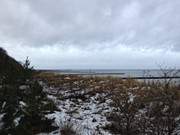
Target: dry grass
(145,109)
(97,84)
(140,107)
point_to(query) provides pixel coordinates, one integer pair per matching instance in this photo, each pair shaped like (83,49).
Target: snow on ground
(177,130)
(88,114)
(1,123)
(85,109)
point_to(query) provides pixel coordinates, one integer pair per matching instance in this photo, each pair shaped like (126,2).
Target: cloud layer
(88,23)
(92,33)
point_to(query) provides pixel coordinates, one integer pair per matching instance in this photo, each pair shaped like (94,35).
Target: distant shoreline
(176,77)
(113,75)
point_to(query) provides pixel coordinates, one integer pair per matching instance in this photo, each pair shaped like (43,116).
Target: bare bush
(163,109)
(125,114)
(151,108)
(68,128)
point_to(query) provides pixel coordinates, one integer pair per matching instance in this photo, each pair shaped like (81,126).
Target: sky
(92,34)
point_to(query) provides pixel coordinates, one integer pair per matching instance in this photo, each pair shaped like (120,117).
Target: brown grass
(161,101)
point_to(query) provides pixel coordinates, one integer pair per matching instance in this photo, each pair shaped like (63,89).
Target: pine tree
(23,109)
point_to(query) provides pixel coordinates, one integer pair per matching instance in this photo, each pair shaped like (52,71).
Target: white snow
(1,123)
(88,115)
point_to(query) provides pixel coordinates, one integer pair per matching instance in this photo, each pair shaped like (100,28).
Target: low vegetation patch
(69,128)
(136,107)
(34,102)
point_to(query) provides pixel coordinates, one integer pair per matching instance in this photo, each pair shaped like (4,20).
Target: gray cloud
(152,23)
(92,33)
(117,57)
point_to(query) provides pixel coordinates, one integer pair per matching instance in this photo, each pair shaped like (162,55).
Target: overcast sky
(87,34)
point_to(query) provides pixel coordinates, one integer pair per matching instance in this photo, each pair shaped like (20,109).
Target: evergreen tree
(9,107)
(23,102)
(28,70)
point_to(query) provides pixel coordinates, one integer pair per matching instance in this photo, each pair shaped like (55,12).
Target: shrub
(68,128)
(148,109)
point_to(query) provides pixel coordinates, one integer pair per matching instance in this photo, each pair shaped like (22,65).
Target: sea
(139,74)
(120,72)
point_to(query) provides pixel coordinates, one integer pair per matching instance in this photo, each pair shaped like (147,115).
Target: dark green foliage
(23,102)
(28,71)
(9,107)
(10,69)
(33,112)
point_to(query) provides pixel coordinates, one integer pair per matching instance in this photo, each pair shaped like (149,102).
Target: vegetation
(67,128)
(147,107)
(150,108)
(138,108)
(22,102)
